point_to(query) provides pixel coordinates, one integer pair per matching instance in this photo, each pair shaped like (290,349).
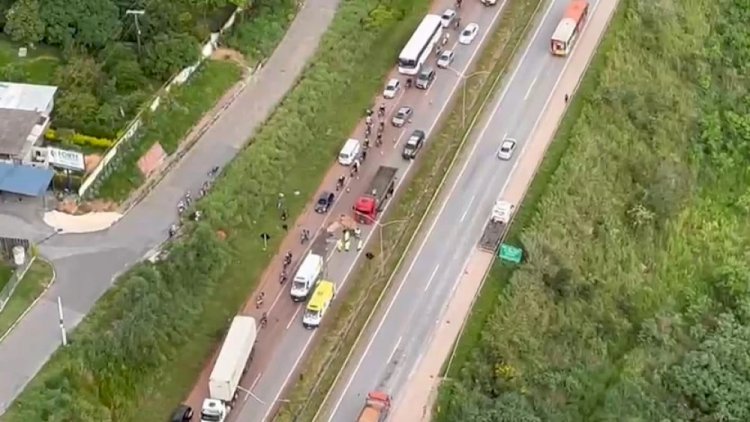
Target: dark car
(325,200)
(425,78)
(183,413)
(413,145)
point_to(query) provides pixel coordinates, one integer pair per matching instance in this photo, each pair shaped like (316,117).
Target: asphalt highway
(268,385)
(392,346)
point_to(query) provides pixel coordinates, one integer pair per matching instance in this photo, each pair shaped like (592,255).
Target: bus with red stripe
(569,28)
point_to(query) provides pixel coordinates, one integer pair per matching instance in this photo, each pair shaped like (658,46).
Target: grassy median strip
(36,279)
(143,345)
(349,316)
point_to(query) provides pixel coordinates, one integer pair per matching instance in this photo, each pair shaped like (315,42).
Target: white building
(24,117)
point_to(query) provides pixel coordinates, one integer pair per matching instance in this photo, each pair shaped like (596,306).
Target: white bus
(420,45)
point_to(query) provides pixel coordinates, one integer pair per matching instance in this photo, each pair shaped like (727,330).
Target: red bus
(569,27)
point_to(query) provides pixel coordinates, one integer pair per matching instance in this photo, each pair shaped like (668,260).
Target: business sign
(69,160)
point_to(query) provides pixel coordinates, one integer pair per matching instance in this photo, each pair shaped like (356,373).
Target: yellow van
(321,299)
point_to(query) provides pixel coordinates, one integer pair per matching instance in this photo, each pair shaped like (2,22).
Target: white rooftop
(25,96)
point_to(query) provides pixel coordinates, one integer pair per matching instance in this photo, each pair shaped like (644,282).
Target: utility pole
(135,14)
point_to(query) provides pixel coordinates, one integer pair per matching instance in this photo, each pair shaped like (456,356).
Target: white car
(392,88)
(445,59)
(468,34)
(447,17)
(506,149)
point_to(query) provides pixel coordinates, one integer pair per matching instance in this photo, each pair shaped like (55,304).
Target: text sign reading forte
(510,253)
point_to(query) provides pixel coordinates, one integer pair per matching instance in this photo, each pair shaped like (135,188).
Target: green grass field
(633,302)
(38,67)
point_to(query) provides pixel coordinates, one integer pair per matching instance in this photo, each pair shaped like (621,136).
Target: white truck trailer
(229,367)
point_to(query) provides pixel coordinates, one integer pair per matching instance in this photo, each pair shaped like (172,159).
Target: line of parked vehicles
(309,284)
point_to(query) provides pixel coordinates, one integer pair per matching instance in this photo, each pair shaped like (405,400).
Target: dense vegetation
(131,357)
(634,301)
(105,78)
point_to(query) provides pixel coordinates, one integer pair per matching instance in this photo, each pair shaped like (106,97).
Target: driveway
(88,264)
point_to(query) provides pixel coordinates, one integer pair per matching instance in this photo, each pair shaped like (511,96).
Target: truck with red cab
(376,407)
(372,202)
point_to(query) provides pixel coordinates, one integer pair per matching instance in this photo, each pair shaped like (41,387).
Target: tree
(714,379)
(167,54)
(98,23)
(80,73)
(76,109)
(24,23)
(91,23)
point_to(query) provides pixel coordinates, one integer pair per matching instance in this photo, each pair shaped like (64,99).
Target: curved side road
(87,264)
(394,346)
(416,401)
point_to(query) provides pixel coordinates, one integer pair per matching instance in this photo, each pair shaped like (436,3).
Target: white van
(307,277)
(349,152)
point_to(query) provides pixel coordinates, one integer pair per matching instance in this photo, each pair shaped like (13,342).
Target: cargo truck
(373,201)
(235,354)
(496,227)
(376,407)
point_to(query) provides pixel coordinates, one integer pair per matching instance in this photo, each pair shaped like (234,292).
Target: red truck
(373,201)
(376,407)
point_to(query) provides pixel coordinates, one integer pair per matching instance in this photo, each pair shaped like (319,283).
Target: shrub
(78,139)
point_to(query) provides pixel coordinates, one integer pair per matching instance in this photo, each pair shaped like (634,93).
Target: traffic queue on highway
(309,285)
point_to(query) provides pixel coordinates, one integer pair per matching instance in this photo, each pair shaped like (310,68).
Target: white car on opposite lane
(506,149)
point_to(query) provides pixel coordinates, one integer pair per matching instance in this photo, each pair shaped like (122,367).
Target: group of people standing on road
(349,235)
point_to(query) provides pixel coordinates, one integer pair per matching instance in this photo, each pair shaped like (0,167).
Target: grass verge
(6,272)
(261,28)
(349,317)
(36,279)
(131,357)
(178,114)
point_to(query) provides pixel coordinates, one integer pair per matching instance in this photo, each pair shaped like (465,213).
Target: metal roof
(26,96)
(15,128)
(24,180)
